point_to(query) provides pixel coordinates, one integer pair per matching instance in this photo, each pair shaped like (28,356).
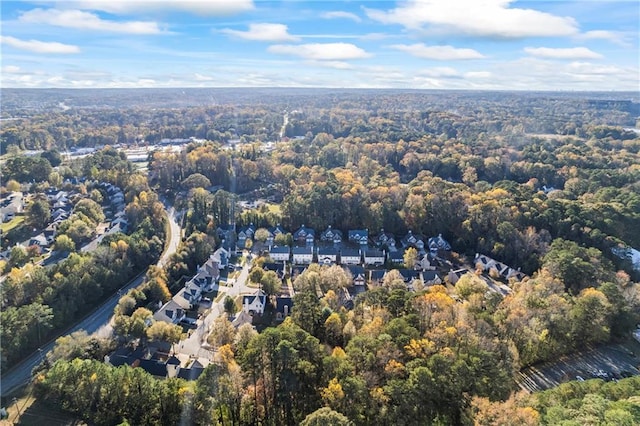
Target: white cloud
(10,69)
(439,72)
(439,53)
(263,32)
(562,53)
(339,65)
(478,74)
(341,15)
(321,51)
(37,46)
(489,18)
(87,21)
(612,36)
(198,7)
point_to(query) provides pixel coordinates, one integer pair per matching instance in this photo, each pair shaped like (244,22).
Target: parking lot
(606,362)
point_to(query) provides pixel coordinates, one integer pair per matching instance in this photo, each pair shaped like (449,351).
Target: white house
(255,303)
(327,255)
(302,255)
(350,256)
(373,257)
(170,312)
(280,254)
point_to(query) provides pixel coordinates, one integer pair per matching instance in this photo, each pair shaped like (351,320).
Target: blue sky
(414,44)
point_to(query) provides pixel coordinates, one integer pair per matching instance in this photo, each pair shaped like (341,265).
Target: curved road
(97,321)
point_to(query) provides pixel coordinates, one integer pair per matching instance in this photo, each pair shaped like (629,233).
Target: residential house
(40,241)
(374,257)
(410,275)
(245,233)
(280,254)
(396,257)
(208,274)
(59,215)
(273,233)
(122,223)
(327,255)
(170,312)
(284,305)
(302,255)
(359,236)
(278,268)
(227,236)
(431,278)
(331,235)
(242,318)
(255,303)
(297,270)
(358,274)
(454,275)
(428,262)
(221,257)
(50,232)
(438,245)
(189,295)
(496,268)
(376,276)
(11,206)
(304,235)
(385,239)
(413,240)
(350,256)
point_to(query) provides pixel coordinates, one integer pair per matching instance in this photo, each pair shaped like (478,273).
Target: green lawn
(14,223)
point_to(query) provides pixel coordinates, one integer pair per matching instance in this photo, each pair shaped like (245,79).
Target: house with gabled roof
(358,273)
(350,256)
(304,235)
(273,233)
(221,257)
(396,257)
(227,236)
(297,270)
(189,295)
(374,257)
(245,233)
(487,264)
(327,255)
(376,276)
(428,262)
(359,236)
(279,268)
(255,303)
(331,235)
(302,255)
(431,278)
(385,239)
(284,305)
(280,253)
(438,243)
(170,312)
(454,275)
(413,240)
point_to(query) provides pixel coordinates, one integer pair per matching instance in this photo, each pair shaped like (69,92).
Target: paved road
(196,344)
(97,322)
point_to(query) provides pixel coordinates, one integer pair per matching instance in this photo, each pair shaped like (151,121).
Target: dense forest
(548,183)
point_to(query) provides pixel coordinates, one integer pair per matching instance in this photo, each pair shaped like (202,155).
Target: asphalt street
(96,322)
